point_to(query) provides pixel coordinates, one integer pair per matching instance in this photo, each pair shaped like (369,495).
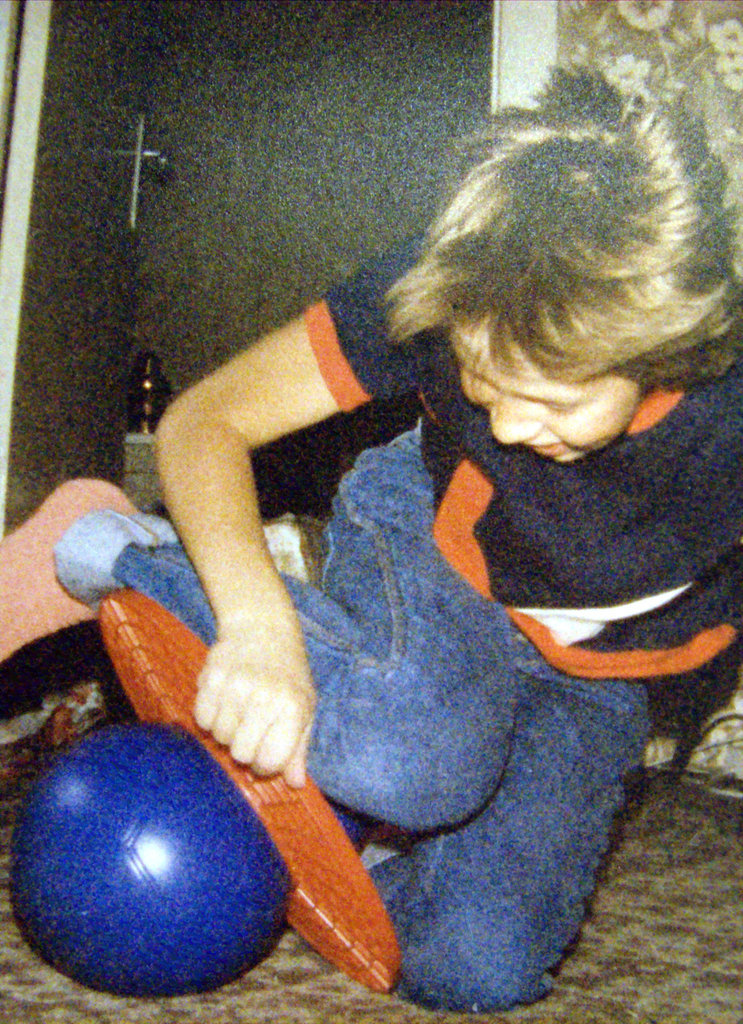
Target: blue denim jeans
(436,715)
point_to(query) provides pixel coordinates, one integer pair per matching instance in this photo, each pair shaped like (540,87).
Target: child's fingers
(261,712)
(246,741)
(225,724)
(208,699)
(295,771)
(269,743)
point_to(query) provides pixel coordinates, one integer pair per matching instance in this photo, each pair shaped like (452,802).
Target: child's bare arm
(256,693)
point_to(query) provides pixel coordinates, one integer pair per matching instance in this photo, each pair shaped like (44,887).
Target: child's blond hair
(594,236)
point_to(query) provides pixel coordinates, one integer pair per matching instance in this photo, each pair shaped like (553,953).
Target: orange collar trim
(653,408)
(632,664)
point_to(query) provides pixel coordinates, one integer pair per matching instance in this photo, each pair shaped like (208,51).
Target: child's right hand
(255,694)
(256,697)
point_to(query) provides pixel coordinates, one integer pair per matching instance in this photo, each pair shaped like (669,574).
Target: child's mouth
(552,451)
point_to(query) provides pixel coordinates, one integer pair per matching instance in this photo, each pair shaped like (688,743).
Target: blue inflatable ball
(138,868)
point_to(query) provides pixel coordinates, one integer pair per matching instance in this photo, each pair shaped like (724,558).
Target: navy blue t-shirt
(659,508)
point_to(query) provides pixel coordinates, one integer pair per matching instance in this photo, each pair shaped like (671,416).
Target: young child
(505,581)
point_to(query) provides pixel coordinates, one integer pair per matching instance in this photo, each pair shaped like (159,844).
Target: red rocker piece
(333,903)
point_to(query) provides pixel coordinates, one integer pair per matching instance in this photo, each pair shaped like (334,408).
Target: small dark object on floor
(56,663)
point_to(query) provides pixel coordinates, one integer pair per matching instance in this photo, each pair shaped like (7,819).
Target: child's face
(558,420)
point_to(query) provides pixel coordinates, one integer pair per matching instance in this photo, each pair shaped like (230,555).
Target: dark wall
(301,136)
(74,338)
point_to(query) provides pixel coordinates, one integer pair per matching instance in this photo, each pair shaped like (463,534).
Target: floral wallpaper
(690,52)
(678,51)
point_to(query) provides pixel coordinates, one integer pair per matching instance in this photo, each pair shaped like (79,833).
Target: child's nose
(513,422)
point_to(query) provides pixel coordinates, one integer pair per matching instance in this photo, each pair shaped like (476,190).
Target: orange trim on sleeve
(467,496)
(653,408)
(334,366)
(637,664)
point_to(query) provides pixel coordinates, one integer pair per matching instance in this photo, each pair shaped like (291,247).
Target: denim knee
(484,911)
(403,755)
(440,792)
(442,781)
(478,960)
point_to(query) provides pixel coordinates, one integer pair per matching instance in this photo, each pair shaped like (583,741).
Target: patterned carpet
(663,943)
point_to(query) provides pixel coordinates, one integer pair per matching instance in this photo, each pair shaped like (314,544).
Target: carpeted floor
(663,943)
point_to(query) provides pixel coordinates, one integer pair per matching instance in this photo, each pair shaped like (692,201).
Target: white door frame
(524,49)
(23,122)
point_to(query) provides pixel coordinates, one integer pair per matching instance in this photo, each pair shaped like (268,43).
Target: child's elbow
(168,433)
(182,418)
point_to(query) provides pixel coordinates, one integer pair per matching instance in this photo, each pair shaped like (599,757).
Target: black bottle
(148,394)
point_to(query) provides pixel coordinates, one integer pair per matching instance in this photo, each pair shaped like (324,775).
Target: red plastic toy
(333,904)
